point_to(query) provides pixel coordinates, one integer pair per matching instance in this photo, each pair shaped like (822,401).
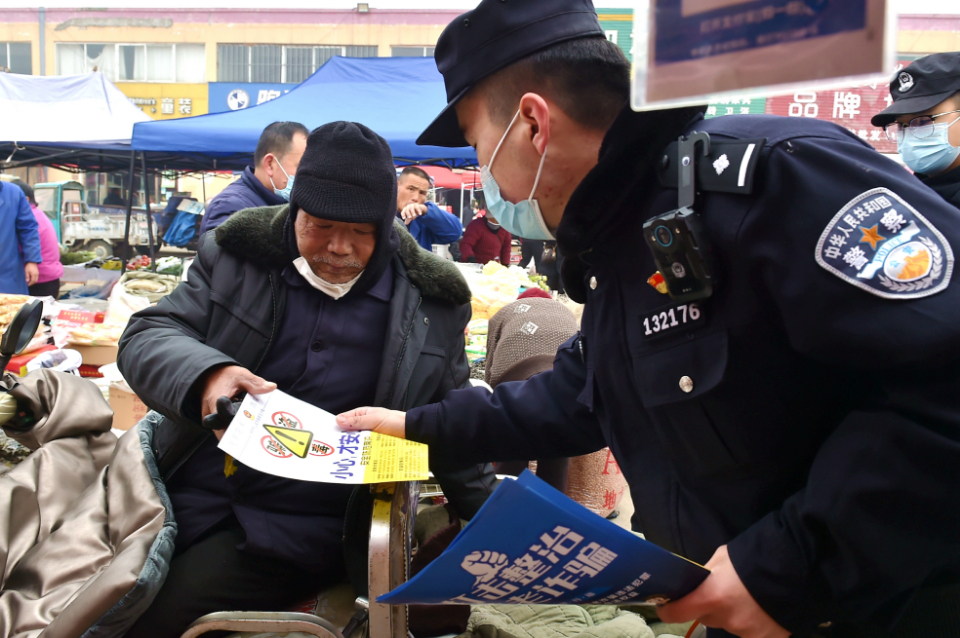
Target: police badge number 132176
(666,320)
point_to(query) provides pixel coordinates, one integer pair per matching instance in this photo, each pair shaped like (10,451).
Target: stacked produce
(72,258)
(95,334)
(140,262)
(170,266)
(493,288)
(147,284)
(9,306)
(497,285)
(477,340)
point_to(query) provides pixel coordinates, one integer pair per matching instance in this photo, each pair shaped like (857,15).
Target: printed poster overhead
(557,552)
(280,435)
(691,51)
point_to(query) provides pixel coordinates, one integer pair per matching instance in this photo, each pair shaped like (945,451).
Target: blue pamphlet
(530,544)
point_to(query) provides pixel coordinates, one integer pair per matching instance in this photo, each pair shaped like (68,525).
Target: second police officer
(922,121)
(798,429)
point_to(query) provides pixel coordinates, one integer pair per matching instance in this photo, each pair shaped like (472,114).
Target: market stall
(74,122)
(396,97)
(493,286)
(81,336)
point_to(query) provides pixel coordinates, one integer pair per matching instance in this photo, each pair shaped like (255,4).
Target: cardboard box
(96,355)
(128,409)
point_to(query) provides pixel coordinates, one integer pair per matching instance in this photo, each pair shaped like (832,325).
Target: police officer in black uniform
(922,121)
(788,414)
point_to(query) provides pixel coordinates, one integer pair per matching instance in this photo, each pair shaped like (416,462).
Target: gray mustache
(337,263)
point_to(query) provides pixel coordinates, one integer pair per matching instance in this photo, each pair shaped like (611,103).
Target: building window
(15,57)
(277,63)
(411,52)
(135,62)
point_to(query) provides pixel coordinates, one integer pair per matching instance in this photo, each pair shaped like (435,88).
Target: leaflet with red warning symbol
(280,435)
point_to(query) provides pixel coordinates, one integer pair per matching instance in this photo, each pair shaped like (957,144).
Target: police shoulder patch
(881,244)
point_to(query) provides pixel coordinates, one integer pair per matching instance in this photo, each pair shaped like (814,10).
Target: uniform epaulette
(728,168)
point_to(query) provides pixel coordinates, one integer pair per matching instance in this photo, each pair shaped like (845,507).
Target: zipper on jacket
(403,351)
(273,329)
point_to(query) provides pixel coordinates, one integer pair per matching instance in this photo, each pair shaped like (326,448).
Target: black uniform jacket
(947,184)
(799,416)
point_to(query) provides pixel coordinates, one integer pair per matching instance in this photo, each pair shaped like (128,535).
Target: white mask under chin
(333,290)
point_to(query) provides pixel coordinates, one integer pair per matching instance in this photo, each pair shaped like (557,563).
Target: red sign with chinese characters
(850,108)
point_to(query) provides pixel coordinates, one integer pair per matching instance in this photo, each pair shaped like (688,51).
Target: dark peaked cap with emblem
(493,36)
(921,86)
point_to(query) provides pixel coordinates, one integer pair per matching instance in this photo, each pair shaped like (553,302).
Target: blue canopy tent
(396,97)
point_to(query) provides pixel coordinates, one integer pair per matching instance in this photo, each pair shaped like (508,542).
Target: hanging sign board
(695,51)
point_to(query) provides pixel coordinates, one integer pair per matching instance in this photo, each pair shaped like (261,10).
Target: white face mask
(523,219)
(333,290)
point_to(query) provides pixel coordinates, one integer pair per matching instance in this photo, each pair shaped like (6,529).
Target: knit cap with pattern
(523,338)
(347,175)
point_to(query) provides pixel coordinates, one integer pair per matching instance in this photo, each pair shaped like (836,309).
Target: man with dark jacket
(268,182)
(426,222)
(327,300)
(795,424)
(922,121)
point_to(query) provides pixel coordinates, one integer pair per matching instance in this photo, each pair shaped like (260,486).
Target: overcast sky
(904,6)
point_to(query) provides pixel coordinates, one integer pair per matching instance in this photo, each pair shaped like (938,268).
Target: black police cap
(921,86)
(493,36)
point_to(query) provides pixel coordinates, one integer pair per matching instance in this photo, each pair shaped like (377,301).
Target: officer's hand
(230,382)
(411,211)
(392,422)
(31,272)
(722,602)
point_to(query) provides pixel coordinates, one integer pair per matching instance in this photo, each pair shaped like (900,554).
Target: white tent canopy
(65,110)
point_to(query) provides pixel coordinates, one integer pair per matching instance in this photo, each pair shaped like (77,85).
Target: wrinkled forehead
(316,220)
(414,180)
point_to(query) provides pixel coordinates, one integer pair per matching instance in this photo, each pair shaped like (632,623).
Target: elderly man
(269,181)
(327,300)
(426,222)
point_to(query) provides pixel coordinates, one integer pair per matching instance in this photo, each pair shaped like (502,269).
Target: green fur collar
(257,234)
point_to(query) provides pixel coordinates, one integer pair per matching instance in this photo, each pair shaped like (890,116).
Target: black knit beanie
(347,174)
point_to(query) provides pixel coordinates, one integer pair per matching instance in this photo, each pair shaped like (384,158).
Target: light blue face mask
(929,155)
(523,219)
(286,190)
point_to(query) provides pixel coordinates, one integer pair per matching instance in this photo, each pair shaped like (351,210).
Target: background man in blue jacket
(18,227)
(269,181)
(426,222)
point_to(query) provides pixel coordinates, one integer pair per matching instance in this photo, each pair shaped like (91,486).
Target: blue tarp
(396,97)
